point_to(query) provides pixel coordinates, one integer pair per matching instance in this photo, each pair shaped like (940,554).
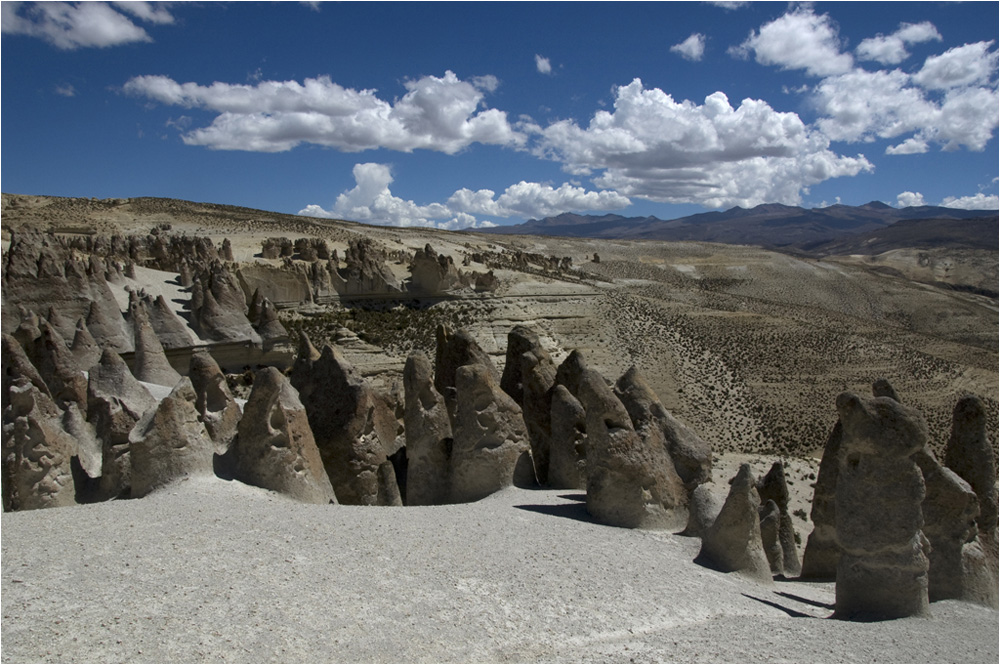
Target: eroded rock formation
(428,435)
(733,542)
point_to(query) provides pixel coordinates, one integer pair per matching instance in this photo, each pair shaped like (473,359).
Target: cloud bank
(71,26)
(372,201)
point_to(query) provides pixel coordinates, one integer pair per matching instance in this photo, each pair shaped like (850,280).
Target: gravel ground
(215,571)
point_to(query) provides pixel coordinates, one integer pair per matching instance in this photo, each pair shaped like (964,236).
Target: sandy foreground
(212,570)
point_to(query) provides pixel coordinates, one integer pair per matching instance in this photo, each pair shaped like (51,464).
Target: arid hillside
(749,347)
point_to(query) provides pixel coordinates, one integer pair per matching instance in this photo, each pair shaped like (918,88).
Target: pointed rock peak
(743,481)
(882,388)
(571,370)
(151,364)
(16,365)
(306,349)
(60,322)
(773,486)
(85,349)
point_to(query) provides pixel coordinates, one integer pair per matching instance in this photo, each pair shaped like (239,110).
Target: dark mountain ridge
(771,225)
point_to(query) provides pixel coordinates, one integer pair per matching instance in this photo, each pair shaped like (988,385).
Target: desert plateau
(232,435)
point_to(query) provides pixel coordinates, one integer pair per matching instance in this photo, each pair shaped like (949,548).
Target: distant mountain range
(770,225)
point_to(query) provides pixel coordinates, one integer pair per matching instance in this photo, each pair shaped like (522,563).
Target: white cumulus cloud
(543,65)
(372,201)
(891,49)
(908,199)
(692,48)
(977,202)
(966,65)
(800,39)
(436,113)
(70,26)
(654,147)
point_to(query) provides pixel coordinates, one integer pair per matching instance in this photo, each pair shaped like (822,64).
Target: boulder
(169,443)
(882,571)
(733,542)
(115,403)
(428,435)
(275,448)
(970,454)
(352,425)
(690,454)
(219,411)
(631,481)
(490,449)
(37,451)
(568,441)
(704,506)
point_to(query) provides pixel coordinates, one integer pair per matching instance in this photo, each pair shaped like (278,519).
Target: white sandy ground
(210,570)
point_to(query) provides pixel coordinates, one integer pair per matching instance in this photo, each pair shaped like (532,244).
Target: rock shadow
(573,511)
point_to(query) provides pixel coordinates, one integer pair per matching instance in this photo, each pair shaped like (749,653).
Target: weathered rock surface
(17,365)
(773,486)
(59,369)
(704,507)
(352,425)
(490,449)
(432,273)
(84,347)
(690,454)
(37,451)
(275,448)
(454,350)
(428,435)
(970,455)
(733,542)
(568,447)
(170,443)
(150,363)
(770,522)
(631,481)
(219,411)
(115,403)
(821,554)
(882,571)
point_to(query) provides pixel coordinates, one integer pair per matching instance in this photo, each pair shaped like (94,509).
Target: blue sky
(471,114)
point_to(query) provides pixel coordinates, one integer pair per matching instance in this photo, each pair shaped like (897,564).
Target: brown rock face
(568,447)
(631,481)
(882,572)
(17,365)
(733,543)
(115,403)
(37,451)
(84,348)
(219,411)
(150,362)
(59,369)
(169,443)
(690,454)
(275,448)
(353,427)
(428,435)
(970,455)
(491,449)
(431,272)
(455,350)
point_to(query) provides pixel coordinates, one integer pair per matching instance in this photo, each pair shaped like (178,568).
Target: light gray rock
(84,348)
(690,455)
(773,486)
(275,448)
(882,571)
(631,481)
(352,424)
(115,403)
(821,554)
(150,363)
(17,365)
(169,443)
(704,507)
(428,435)
(219,411)
(733,542)
(568,447)
(59,369)
(770,522)
(491,449)
(970,454)
(37,451)
(454,350)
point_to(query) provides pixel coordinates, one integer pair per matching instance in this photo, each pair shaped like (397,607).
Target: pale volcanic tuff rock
(353,426)
(17,365)
(630,479)
(275,448)
(528,376)
(366,272)
(568,447)
(84,347)
(689,453)
(170,330)
(455,349)
(970,455)
(821,554)
(882,571)
(704,507)
(491,449)
(37,451)
(272,333)
(59,368)
(428,435)
(219,410)
(770,522)
(150,363)
(773,486)
(115,403)
(733,542)
(169,443)
(432,273)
